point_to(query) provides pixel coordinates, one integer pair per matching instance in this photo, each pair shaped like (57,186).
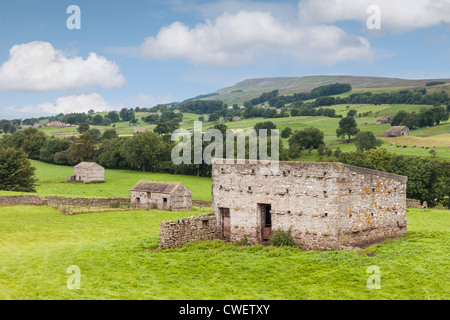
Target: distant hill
(252,88)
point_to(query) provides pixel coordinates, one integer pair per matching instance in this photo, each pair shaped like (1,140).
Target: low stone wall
(30,200)
(21,201)
(95,202)
(174,234)
(412,203)
(201,203)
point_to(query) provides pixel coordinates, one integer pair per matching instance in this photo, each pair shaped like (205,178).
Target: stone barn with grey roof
(88,172)
(397,131)
(172,196)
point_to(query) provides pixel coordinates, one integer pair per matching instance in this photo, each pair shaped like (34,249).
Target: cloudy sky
(145,52)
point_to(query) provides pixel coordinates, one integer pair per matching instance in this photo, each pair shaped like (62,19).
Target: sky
(109,54)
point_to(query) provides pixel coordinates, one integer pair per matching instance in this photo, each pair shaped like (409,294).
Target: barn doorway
(165,204)
(138,202)
(226,223)
(266,221)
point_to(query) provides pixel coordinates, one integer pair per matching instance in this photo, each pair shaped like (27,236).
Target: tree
(295,112)
(347,127)
(33,143)
(214,117)
(352,113)
(151,119)
(97,120)
(126,114)
(222,128)
(51,147)
(399,117)
(82,148)
(145,151)
(109,134)
(82,128)
(16,172)
(308,138)
(366,140)
(96,134)
(134,122)
(268,125)
(286,133)
(113,116)
(162,128)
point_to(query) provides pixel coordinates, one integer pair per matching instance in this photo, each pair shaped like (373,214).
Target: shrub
(282,238)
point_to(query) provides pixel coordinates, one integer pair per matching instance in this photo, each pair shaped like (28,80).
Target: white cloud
(38,67)
(70,104)
(398,16)
(235,39)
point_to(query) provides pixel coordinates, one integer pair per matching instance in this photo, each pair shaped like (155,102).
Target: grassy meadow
(117,256)
(52,182)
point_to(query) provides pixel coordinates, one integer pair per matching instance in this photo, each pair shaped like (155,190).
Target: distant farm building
(384,121)
(397,131)
(171,196)
(88,172)
(235,119)
(57,124)
(139,131)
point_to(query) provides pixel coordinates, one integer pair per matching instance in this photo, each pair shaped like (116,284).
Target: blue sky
(145,52)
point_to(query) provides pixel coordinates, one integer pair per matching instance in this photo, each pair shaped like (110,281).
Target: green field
(117,258)
(118,183)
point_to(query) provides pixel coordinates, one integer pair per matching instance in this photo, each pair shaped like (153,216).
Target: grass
(115,252)
(118,183)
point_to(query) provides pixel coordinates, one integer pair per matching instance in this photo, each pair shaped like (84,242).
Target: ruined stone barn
(324,205)
(171,196)
(88,172)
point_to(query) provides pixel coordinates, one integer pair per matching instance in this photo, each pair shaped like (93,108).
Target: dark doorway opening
(226,223)
(266,221)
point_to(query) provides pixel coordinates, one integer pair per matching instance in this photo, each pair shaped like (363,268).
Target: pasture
(52,182)
(117,256)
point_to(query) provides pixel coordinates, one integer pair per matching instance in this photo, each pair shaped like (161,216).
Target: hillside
(252,88)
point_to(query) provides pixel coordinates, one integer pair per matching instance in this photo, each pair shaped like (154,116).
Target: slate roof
(155,186)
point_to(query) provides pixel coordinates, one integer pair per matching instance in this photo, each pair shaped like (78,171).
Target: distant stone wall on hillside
(174,234)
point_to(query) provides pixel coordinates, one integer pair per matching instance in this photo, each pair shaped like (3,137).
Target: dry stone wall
(411,203)
(174,234)
(58,201)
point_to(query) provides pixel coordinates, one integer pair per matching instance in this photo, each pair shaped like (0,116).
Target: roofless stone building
(325,205)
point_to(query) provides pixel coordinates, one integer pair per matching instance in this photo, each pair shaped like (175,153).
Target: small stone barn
(397,131)
(171,196)
(88,172)
(324,205)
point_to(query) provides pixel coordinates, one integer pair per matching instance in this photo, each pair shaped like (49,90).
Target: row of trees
(429,179)
(427,117)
